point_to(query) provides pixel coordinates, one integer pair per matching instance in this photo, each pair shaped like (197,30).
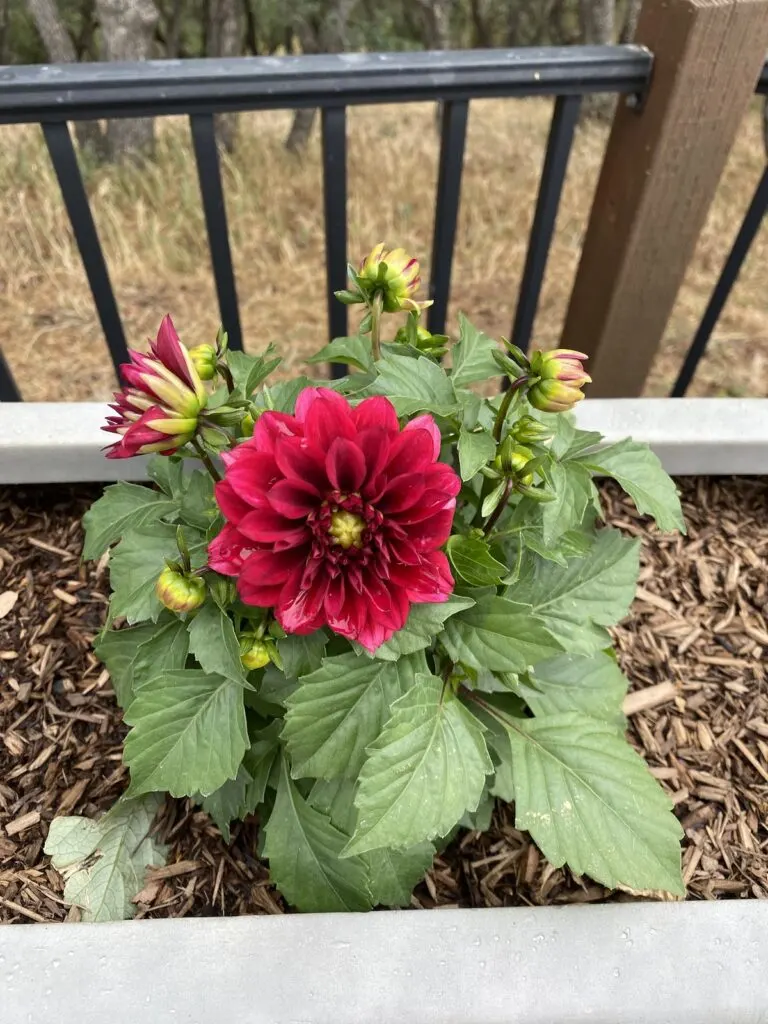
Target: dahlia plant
(363,610)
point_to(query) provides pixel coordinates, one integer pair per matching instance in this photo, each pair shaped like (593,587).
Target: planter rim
(620,963)
(52,442)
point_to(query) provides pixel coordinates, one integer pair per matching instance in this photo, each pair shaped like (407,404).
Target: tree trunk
(325,33)
(61,50)
(598,25)
(436,15)
(128,32)
(224,38)
(631,16)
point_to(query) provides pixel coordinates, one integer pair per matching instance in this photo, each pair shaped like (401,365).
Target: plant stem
(506,402)
(376,310)
(206,460)
(226,373)
(493,518)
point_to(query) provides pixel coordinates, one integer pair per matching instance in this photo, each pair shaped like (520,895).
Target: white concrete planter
(622,963)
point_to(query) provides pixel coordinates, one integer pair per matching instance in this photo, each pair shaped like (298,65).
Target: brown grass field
(151,226)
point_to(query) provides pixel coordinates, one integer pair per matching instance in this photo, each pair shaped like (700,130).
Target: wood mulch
(695,649)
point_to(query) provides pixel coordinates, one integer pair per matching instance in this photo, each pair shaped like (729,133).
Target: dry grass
(152,229)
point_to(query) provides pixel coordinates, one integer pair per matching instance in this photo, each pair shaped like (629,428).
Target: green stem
(506,402)
(206,460)
(226,373)
(377,308)
(493,518)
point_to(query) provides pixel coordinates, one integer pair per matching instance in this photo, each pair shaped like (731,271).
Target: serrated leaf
(104,861)
(336,799)
(240,796)
(197,507)
(164,651)
(414,385)
(249,371)
(117,649)
(472,559)
(499,636)
(355,351)
(122,507)
(476,448)
(167,471)
(137,561)
(212,640)
(424,771)
(189,733)
(572,485)
(337,711)
(588,800)
(395,873)
(303,849)
(575,602)
(423,624)
(302,654)
(638,470)
(595,686)
(282,395)
(472,355)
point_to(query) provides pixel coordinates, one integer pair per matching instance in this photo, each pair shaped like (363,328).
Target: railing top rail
(82,91)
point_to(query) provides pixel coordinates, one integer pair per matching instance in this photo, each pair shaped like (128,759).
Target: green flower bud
(561,377)
(204,359)
(247,423)
(254,653)
(527,430)
(512,460)
(435,345)
(179,591)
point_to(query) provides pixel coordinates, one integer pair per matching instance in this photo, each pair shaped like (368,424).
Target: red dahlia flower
(158,410)
(335,517)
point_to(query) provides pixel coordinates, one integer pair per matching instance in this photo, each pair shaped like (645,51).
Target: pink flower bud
(561,377)
(395,275)
(179,591)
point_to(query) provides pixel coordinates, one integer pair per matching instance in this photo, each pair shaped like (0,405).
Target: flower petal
(298,459)
(345,465)
(294,499)
(376,412)
(426,422)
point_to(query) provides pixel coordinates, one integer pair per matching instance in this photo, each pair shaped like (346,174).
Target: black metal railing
(54,95)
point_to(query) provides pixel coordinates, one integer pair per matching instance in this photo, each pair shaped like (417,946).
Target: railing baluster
(741,246)
(453,134)
(8,390)
(561,131)
(67,170)
(334,133)
(214,208)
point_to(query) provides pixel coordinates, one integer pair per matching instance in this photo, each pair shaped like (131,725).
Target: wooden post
(659,175)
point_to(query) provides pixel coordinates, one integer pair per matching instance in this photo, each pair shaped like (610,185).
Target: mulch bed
(695,649)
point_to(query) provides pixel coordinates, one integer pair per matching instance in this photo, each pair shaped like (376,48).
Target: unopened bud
(512,460)
(204,358)
(179,591)
(561,377)
(435,345)
(254,653)
(247,423)
(527,430)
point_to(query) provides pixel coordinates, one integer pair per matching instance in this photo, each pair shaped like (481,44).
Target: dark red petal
(225,552)
(345,465)
(257,595)
(265,568)
(401,549)
(426,422)
(432,532)
(168,349)
(401,492)
(271,426)
(298,459)
(252,475)
(413,450)
(309,396)
(301,608)
(374,443)
(431,503)
(328,418)
(376,412)
(232,507)
(433,582)
(264,525)
(293,498)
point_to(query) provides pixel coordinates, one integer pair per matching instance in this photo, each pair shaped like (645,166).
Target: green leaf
(197,503)
(588,800)
(498,635)
(117,649)
(302,654)
(476,448)
(104,861)
(491,500)
(239,797)
(355,351)
(638,470)
(472,355)
(395,873)
(189,733)
(414,385)
(572,487)
(303,849)
(424,771)
(590,593)
(423,624)
(336,799)
(472,559)
(122,507)
(337,711)
(596,686)
(213,642)
(167,471)
(134,566)
(164,651)
(282,396)
(249,371)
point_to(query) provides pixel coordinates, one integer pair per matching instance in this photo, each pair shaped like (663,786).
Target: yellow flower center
(346,528)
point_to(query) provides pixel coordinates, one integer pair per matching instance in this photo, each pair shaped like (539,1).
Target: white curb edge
(63,442)
(621,963)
